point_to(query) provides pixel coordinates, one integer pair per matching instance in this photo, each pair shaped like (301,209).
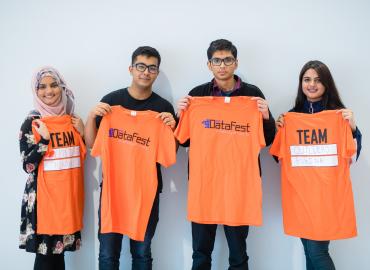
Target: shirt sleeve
(182,132)
(349,146)
(261,136)
(171,110)
(82,147)
(166,149)
(277,147)
(99,140)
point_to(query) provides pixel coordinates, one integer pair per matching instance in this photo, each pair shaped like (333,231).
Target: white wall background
(91,42)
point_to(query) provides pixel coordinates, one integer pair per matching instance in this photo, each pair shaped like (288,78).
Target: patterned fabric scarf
(66,104)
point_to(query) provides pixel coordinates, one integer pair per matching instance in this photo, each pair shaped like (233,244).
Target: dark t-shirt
(154,103)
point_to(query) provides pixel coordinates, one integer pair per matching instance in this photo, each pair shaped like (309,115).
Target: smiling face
(49,91)
(312,86)
(144,79)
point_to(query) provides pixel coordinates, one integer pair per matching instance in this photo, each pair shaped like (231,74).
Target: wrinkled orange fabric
(129,144)
(226,135)
(315,151)
(60,180)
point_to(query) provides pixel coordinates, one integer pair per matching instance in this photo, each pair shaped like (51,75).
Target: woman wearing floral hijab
(52,100)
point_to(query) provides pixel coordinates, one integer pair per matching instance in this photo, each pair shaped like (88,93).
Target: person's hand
(348,115)
(263,107)
(167,119)
(100,110)
(41,129)
(78,124)
(183,104)
(279,123)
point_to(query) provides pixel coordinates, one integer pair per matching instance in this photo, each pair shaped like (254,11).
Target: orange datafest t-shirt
(226,135)
(60,179)
(315,151)
(130,143)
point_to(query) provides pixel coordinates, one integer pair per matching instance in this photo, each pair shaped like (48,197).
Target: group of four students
(316,92)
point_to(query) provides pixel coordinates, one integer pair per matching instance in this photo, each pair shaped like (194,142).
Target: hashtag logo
(206,123)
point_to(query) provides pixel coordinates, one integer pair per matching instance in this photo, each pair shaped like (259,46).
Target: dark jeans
(49,262)
(317,255)
(204,239)
(111,244)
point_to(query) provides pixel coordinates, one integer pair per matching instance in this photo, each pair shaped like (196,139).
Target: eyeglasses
(142,67)
(228,61)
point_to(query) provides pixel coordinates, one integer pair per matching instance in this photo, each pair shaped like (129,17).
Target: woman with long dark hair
(318,208)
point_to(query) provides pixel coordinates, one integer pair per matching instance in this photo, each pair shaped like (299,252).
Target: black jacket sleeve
(358,136)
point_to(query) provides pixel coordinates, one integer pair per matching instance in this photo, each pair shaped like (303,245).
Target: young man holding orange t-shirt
(222,62)
(139,96)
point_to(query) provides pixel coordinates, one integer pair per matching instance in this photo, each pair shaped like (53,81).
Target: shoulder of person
(201,90)
(160,98)
(251,90)
(164,103)
(27,122)
(112,96)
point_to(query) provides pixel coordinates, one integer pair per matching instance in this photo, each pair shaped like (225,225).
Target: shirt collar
(216,91)
(312,107)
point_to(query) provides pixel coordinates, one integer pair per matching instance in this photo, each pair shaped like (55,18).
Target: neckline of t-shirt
(223,99)
(56,117)
(133,112)
(312,115)
(137,100)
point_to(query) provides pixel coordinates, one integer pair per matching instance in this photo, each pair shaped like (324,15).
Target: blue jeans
(204,239)
(317,255)
(111,244)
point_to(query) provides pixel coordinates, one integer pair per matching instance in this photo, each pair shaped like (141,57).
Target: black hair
(146,51)
(221,45)
(330,99)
